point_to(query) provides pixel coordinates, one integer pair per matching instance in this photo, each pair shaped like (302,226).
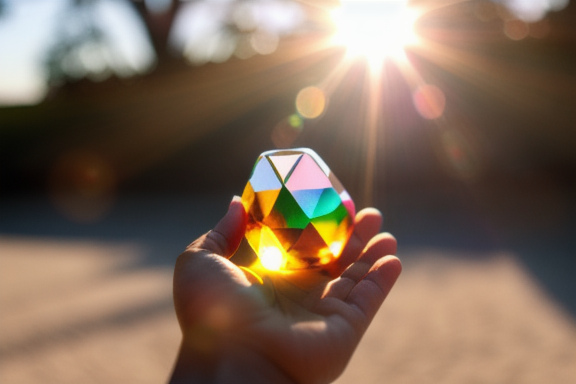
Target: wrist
(230,366)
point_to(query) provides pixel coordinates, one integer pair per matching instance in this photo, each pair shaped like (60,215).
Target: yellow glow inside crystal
(271,258)
(336,247)
(299,215)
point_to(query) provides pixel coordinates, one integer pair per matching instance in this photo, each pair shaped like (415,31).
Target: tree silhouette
(85,47)
(158,25)
(213,31)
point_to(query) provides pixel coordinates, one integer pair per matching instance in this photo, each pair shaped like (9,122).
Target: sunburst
(374,29)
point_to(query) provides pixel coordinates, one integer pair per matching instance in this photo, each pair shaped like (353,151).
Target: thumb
(225,238)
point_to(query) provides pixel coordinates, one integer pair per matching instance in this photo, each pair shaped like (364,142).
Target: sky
(30,27)
(26,31)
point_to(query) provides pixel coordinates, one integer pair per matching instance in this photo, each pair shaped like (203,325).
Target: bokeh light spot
(287,131)
(516,29)
(244,49)
(264,42)
(82,186)
(310,102)
(212,31)
(429,101)
(295,121)
(533,10)
(462,160)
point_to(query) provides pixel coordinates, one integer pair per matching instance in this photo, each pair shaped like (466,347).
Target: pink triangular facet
(284,164)
(307,175)
(348,203)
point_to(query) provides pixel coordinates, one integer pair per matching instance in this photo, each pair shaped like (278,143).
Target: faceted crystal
(299,214)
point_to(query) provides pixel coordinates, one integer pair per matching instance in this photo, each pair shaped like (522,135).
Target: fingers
(380,245)
(369,294)
(225,238)
(367,224)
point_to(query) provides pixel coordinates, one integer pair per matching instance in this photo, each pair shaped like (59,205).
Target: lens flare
(310,102)
(82,185)
(429,101)
(516,29)
(375,29)
(460,155)
(287,131)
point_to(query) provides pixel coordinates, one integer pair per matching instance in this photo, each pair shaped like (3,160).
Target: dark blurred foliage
(158,25)
(150,127)
(78,30)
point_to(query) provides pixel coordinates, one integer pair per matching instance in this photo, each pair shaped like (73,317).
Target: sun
(375,29)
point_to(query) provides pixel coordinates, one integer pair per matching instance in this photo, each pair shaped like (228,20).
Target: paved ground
(92,304)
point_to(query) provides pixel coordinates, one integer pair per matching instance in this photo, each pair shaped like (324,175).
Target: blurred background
(127,126)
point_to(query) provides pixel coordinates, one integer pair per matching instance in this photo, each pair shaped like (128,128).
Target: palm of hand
(305,328)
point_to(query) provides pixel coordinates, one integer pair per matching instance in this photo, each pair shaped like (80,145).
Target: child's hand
(236,331)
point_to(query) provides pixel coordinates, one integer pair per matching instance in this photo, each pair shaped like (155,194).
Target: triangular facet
(251,204)
(274,219)
(327,225)
(308,199)
(263,177)
(327,229)
(348,203)
(327,203)
(284,164)
(248,196)
(266,200)
(309,243)
(318,160)
(253,237)
(287,207)
(307,175)
(287,236)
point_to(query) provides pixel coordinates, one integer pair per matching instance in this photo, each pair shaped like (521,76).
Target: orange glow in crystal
(299,214)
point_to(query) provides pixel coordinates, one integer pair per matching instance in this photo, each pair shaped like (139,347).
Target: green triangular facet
(288,208)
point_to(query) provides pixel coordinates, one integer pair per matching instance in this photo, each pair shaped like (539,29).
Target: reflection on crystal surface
(299,215)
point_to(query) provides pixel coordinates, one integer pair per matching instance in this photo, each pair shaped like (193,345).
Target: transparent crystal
(299,214)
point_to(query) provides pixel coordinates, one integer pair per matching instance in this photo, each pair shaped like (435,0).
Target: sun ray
(445,45)
(374,29)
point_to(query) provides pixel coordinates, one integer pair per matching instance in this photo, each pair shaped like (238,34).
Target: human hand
(234,331)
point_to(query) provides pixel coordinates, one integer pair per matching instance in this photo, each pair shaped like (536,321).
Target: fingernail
(236,199)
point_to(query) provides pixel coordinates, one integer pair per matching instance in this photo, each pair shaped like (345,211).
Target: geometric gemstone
(299,214)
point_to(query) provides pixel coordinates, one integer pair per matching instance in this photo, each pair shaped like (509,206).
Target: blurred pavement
(92,303)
